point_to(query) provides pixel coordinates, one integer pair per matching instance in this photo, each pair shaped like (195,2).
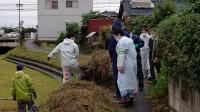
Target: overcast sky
(10,17)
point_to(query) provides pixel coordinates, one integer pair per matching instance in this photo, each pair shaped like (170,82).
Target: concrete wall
(52,21)
(181,97)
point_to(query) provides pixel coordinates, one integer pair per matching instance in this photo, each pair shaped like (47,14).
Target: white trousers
(68,70)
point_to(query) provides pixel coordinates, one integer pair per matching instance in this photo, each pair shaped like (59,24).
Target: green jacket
(22,87)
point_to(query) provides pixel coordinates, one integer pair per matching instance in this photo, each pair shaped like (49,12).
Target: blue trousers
(22,106)
(115,74)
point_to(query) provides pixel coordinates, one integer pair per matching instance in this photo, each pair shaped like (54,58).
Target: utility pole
(19,21)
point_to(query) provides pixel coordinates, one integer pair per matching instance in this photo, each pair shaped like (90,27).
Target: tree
(7,29)
(29,30)
(136,24)
(89,15)
(70,28)
(163,9)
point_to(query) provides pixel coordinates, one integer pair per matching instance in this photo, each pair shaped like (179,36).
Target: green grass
(41,57)
(43,84)
(48,48)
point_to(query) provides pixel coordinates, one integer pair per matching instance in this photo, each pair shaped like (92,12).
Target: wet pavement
(140,103)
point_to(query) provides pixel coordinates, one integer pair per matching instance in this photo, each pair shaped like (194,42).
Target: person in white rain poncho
(145,53)
(69,52)
(127,67)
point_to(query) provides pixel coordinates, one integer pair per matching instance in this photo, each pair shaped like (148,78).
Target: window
(54,5)
(51,4)
(68,3)
(72,3)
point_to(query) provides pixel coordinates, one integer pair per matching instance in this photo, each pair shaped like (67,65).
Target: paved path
(140,104)
(29,44)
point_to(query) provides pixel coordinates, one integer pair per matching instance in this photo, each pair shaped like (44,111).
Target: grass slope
(43,84)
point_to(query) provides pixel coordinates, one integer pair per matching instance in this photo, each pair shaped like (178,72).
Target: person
(127,67)
(69,52)
(151,58)
(126,32)
(23,90)
(139,43)
(154,55)
(113,54)
(145,53)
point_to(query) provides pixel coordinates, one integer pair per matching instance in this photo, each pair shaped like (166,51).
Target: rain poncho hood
(145,37)
(127,81)
(69,52)
(22,87)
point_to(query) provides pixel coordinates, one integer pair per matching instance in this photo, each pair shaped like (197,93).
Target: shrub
(158,93)
(104,34)
(61,38)
(163,9)
(89,15)
(74,28)
(135,24)
(70,28)
(179,37)
(160,88)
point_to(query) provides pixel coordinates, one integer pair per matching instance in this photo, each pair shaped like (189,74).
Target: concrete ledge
(55,73)
(182,98)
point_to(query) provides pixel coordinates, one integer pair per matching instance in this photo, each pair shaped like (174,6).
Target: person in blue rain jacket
(117,24)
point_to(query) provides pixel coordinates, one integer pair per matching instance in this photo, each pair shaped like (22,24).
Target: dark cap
(19,67)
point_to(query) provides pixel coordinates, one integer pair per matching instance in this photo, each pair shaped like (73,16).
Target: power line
(14,4)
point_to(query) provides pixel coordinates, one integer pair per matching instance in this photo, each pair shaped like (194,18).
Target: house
(53,15)
(1,32)
(108,14)
(134,8)
(95,25)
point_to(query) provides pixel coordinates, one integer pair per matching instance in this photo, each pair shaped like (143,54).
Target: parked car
(12,35)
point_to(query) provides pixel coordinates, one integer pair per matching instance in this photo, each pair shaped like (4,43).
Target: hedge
(180,50)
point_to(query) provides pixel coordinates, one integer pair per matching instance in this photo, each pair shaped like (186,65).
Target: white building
(53,14)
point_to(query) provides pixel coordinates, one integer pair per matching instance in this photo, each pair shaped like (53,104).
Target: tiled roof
(108,14)
(129,11)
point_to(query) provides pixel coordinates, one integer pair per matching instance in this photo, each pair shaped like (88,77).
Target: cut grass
(43,84)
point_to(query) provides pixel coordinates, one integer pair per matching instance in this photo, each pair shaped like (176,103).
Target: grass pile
(99,68)
(81,96)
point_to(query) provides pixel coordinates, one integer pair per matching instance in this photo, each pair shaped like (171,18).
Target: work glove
(35,95)
(136,46)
